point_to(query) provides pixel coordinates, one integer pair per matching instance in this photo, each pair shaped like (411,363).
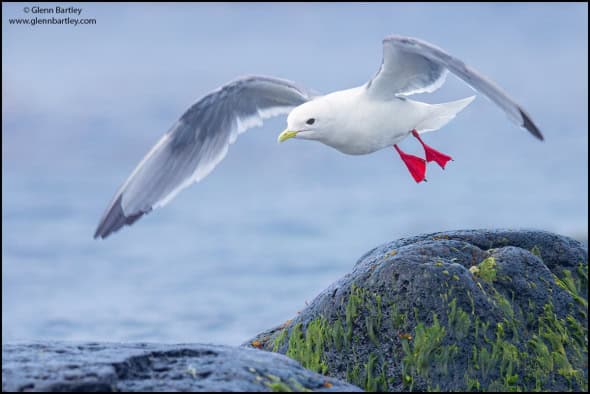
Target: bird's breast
(366,126)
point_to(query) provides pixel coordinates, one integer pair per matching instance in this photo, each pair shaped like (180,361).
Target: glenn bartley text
(53,10)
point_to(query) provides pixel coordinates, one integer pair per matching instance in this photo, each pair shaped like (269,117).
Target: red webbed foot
(432,154)
(416,165)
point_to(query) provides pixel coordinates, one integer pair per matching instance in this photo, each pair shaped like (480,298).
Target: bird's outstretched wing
(414,66)
(196,143)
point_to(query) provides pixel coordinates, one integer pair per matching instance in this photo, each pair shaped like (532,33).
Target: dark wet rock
(148,367)
(454,311)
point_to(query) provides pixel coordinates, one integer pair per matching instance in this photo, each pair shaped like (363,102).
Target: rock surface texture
(148,367)
(473,310)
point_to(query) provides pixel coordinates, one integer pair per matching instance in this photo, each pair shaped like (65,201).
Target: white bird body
(355,121)
(360,124)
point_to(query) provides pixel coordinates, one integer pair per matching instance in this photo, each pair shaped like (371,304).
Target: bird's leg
(432,154)
(416,165)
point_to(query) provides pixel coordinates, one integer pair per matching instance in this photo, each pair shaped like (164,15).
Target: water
(274,224)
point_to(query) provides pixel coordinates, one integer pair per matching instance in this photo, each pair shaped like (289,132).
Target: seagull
(355,121)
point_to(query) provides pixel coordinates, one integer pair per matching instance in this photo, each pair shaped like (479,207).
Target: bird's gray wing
(196,143)
(414,66)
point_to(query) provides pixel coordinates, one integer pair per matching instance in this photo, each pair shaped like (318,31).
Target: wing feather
(414,66)
(196,144)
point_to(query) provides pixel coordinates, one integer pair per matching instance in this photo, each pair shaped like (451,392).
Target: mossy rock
(455,311)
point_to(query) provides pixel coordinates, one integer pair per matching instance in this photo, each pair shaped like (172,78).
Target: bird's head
(310,121)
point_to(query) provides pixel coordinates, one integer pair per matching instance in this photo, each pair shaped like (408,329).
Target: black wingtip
(114,219)
(528,124)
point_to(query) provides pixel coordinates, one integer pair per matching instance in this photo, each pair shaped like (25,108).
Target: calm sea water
(274,224)
(245,249)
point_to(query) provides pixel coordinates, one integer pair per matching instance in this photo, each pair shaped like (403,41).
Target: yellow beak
(285,135)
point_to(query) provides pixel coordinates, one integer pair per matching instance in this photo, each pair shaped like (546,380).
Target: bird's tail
(441,114)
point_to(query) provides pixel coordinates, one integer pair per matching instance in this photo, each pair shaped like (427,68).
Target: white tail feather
(441,114)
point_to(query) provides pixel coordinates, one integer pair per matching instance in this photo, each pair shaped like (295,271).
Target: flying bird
(354,121)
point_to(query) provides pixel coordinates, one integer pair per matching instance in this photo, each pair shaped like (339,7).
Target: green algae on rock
(456,311)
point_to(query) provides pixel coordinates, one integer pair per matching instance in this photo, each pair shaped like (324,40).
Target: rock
(58,366)
(453,311)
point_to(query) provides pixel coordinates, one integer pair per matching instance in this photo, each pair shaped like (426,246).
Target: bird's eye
(310,121)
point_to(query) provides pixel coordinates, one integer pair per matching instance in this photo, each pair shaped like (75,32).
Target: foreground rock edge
(70,367)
